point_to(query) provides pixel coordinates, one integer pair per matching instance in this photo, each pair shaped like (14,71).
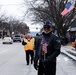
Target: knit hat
(48,23)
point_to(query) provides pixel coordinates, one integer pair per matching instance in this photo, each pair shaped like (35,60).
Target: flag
(69,7)
(44,46)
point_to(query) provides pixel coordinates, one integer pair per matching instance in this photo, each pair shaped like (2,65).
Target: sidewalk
(69,51)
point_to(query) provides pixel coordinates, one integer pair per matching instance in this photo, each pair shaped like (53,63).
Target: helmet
(48,23)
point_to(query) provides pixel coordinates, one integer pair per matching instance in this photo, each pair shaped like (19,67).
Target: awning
(73,29)
(73,26)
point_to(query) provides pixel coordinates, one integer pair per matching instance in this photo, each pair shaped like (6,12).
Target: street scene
(13,62)
(38,37)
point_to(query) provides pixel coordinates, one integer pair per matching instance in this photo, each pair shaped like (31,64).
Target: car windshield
(7,38)
(17,36)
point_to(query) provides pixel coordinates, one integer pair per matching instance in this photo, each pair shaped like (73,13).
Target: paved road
(12,62)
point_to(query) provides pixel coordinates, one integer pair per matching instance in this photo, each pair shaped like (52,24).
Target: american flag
(69,7)
(44,46)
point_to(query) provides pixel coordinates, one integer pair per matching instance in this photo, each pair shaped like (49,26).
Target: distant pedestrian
(75,44)
(72,40)
(37,34)
(47,48)
(28,44)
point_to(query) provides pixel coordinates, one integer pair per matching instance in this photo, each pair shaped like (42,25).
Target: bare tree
(51,10)
(11,24)
(2,20)
(3,23)
(17,26)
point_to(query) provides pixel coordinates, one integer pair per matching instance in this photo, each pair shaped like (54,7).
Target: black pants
(29,53)
(49,69)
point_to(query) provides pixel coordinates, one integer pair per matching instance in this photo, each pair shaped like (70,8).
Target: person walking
(47,48)
(75,44)
(28,44)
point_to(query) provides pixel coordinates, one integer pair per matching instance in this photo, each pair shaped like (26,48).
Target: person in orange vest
(28,44)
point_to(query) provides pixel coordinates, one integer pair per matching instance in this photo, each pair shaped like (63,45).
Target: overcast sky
(15,8)
(12,7)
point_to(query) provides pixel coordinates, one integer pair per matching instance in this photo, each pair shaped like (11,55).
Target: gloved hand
(36,65)
(23,43)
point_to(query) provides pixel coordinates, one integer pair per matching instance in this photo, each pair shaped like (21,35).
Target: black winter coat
(53,48)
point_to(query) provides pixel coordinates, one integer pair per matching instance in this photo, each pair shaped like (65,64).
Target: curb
(70,53)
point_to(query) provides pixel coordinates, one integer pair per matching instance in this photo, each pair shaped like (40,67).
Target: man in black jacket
(47,47)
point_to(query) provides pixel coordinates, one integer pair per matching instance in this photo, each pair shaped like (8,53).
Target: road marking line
(3,51)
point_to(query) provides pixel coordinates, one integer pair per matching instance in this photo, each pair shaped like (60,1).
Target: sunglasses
(48,27)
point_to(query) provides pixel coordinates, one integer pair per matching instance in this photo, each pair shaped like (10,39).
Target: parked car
(7,40)
(17,38)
